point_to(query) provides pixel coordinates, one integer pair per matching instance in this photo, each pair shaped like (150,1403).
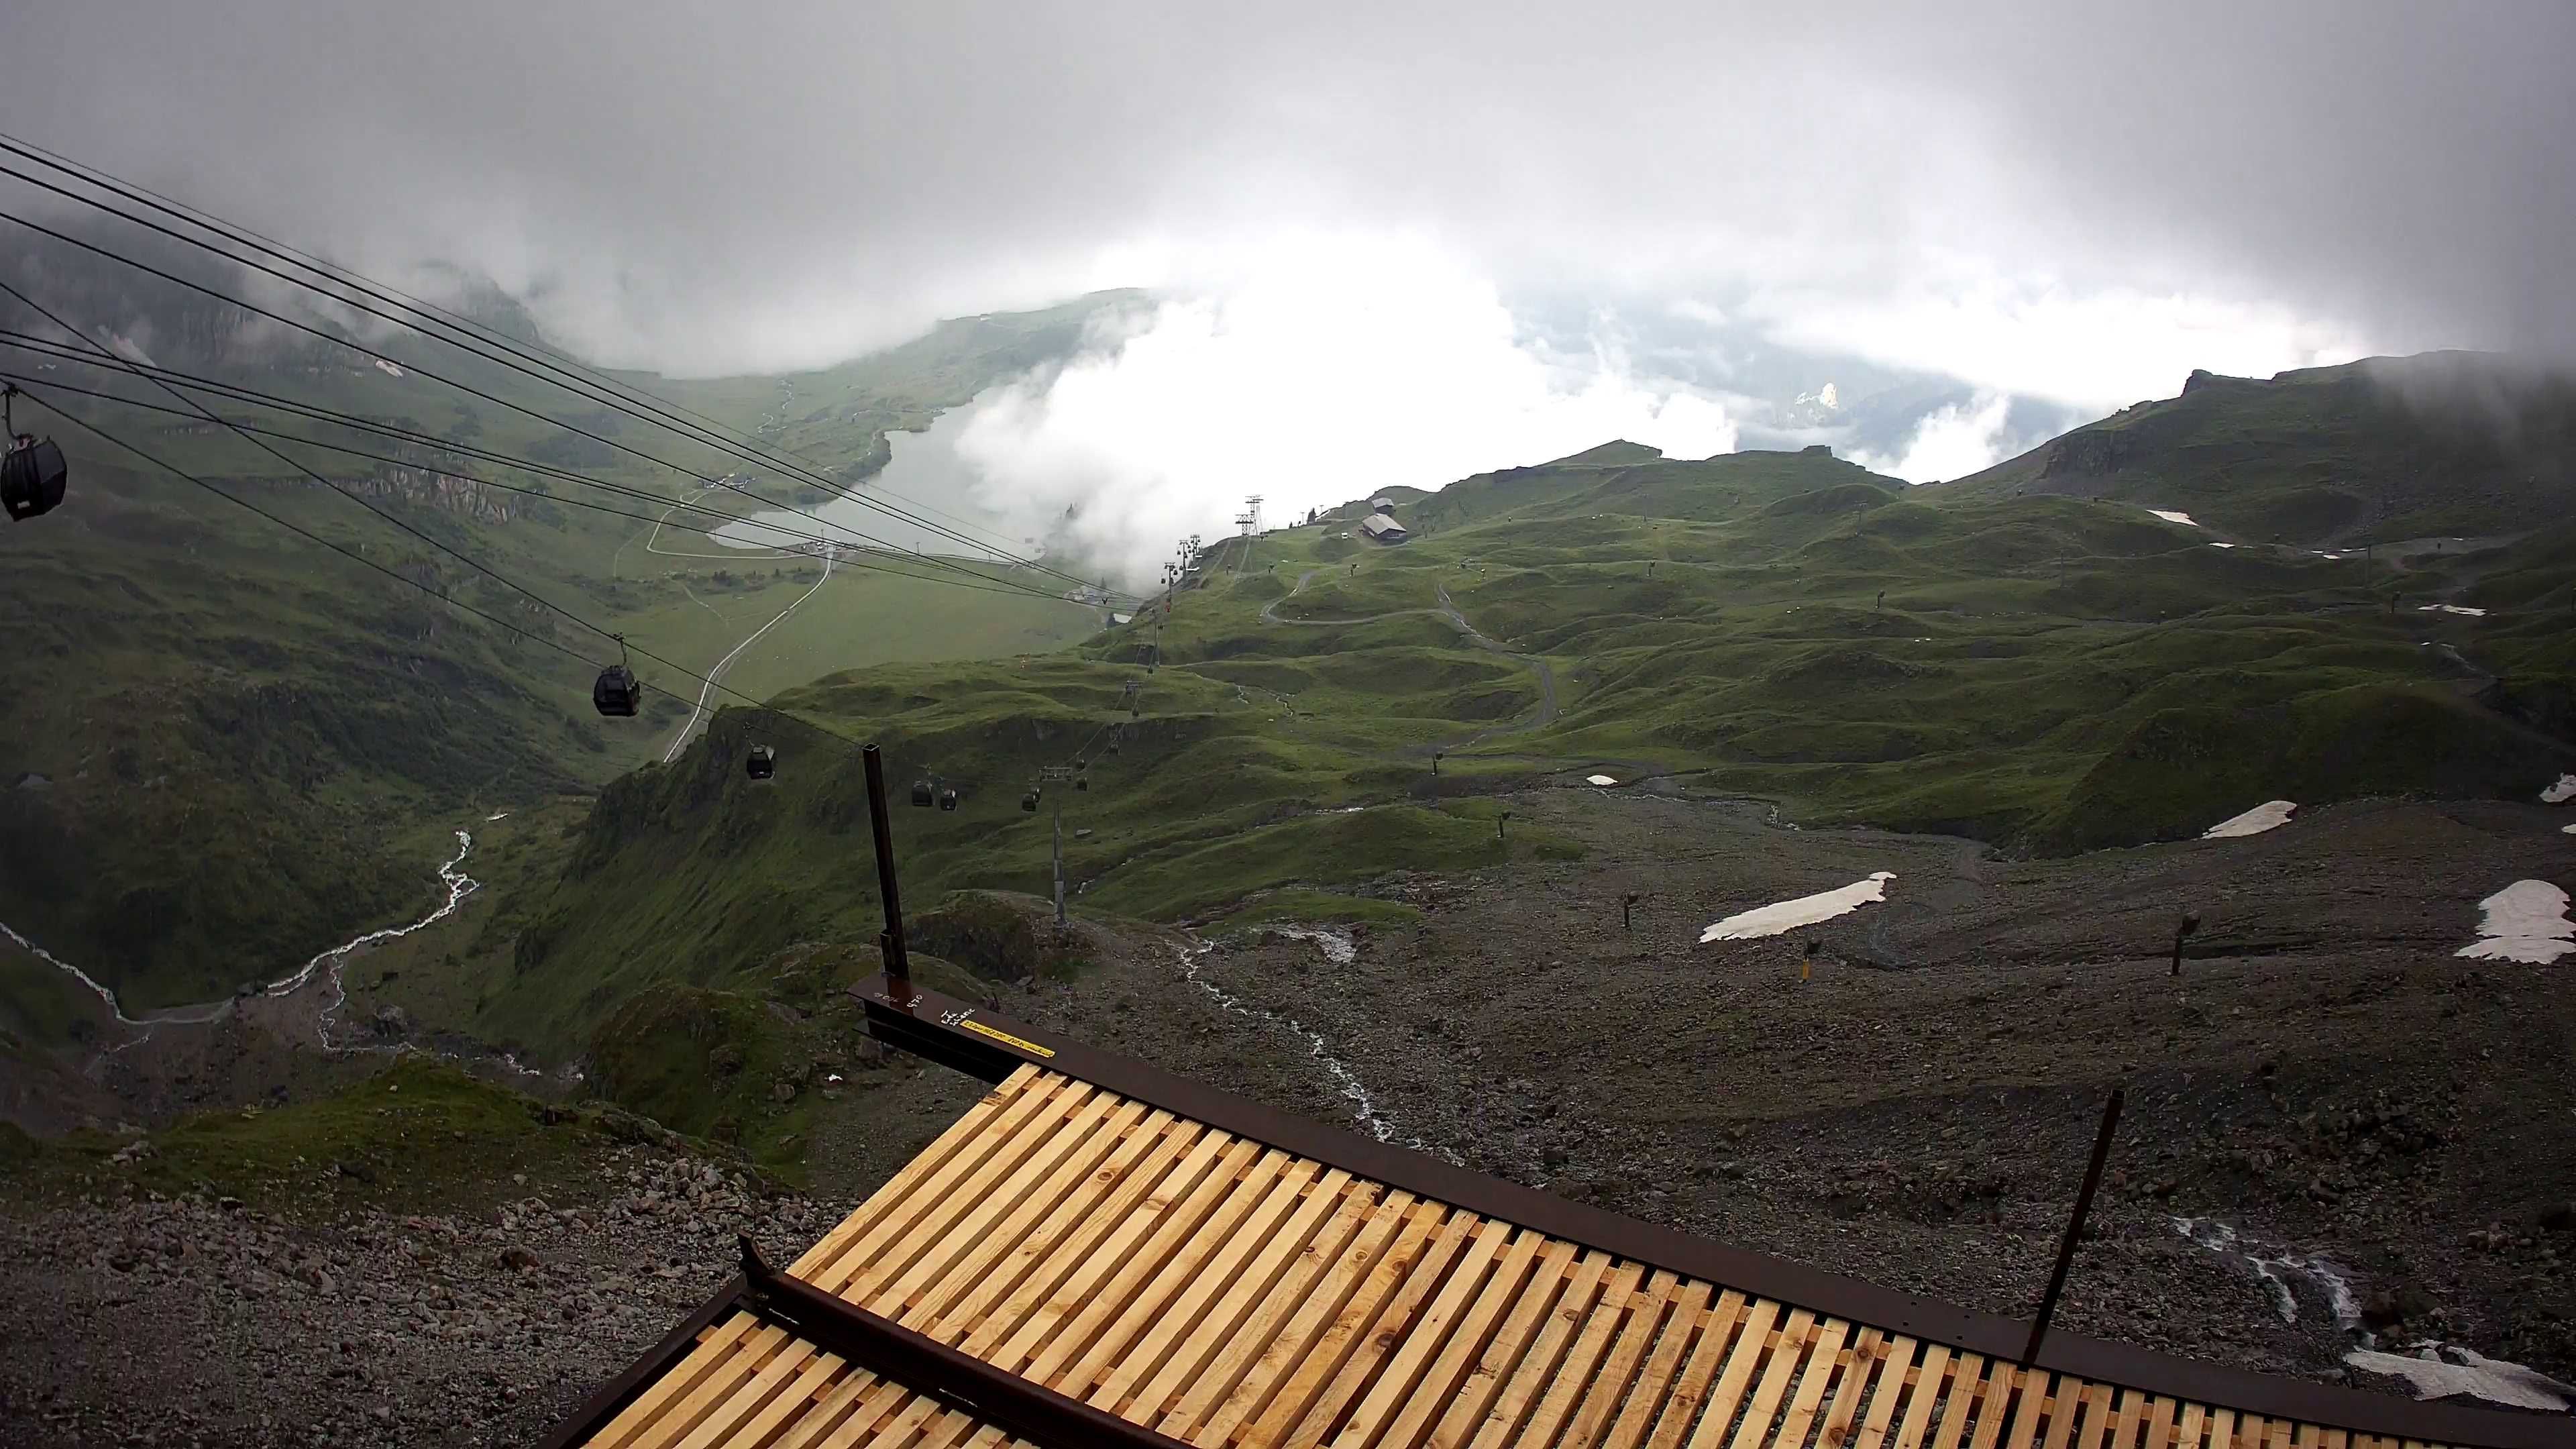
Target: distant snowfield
(2450,609)
(2466,1371)
(2170,515)
(1771,920)
(2270,815)
(2526,921)
(2222,545)
(1599,780)
(2560,793)
(387,368)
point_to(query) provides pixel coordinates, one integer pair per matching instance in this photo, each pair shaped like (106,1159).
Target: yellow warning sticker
(1004,1037)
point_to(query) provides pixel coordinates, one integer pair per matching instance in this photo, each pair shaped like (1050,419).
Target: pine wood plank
(713,1350)
(903,1221)
(1926,1391)
(821,1375)
(1127,1222)
(1563,1320)
(1443,1383)
(1302,1321)
(1384,1332)
(747,1401)
(1187,1275)
(2160,1422)
(2188,1427)
(894,1256)
(1842,1416)
(1626,1291)
(1244,1276)
(1431,1233)
(1965,1372)
(1109,1298)
(2223,1428)
(1656,1381)
(1751,1349)
(1082,1236)
(1408,1383)
(1823,1361)
(969,1126)
(1788,1358)
(1600,1404)
(1994,1403)
(2034,1399)
(1723,1323)
(1042,1246)
(718,1385)
(1003,1221)
(1531,1308)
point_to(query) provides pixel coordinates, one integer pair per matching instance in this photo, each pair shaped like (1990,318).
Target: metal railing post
(2075,1226)
(898,965)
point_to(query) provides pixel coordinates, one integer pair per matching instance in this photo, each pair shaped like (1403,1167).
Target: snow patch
(1773,919)
(2270,815)
(2222,545)
(1599,780)
(2526,921)
(2440,1371)
(2172,515)
(2450,609)
(387,368)
(2561,792)
(504,815)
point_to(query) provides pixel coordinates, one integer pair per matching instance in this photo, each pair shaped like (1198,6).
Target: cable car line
(398,577)
(667,422)
(670,413)
(466,388)
(1012,588)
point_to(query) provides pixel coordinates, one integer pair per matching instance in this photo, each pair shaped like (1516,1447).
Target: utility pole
(1058,774)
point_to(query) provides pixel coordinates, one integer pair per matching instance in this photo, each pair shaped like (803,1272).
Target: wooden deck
(1226,1293)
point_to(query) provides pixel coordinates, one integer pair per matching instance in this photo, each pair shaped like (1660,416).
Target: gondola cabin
(948,799)
(761,763)
(921,794)
(618,692)
(32,476)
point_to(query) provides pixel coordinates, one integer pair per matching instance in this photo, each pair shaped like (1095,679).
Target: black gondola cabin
(32,477)
(761,763)
(618,692)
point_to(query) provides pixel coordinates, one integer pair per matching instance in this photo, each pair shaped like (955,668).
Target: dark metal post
(2075,1226)
(898,966)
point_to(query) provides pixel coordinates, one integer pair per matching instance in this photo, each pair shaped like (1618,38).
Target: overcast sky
(2062,203)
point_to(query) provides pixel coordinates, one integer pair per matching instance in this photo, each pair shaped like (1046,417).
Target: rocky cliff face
(434,489)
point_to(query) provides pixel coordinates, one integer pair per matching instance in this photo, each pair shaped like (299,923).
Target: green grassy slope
(2048,673)
(223,749)
(2379,450)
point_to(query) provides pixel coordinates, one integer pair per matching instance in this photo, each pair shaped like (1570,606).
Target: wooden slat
(1926,1390)
(1249,1283)
(1422,1336)
(1305,1319)
(1551,1276)
(1529,1379)
(1302,1385)
(723,1418)
(1044,1243)
(1842,1418)
(1269,1316)
(1822,1362)
(1447,1383)
(1655,1381)
(1966,1370)
(969,1127)
(1160,1227)
(1619,1299)
(1162,1306)
(1004,1221)
(1608,1393)
(1752,1348)
(1787,1356)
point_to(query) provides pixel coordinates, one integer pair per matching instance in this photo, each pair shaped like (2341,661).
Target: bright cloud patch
(1320,373)
(1950,442)
(2526,921)
(2270,815)
(1771,920)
